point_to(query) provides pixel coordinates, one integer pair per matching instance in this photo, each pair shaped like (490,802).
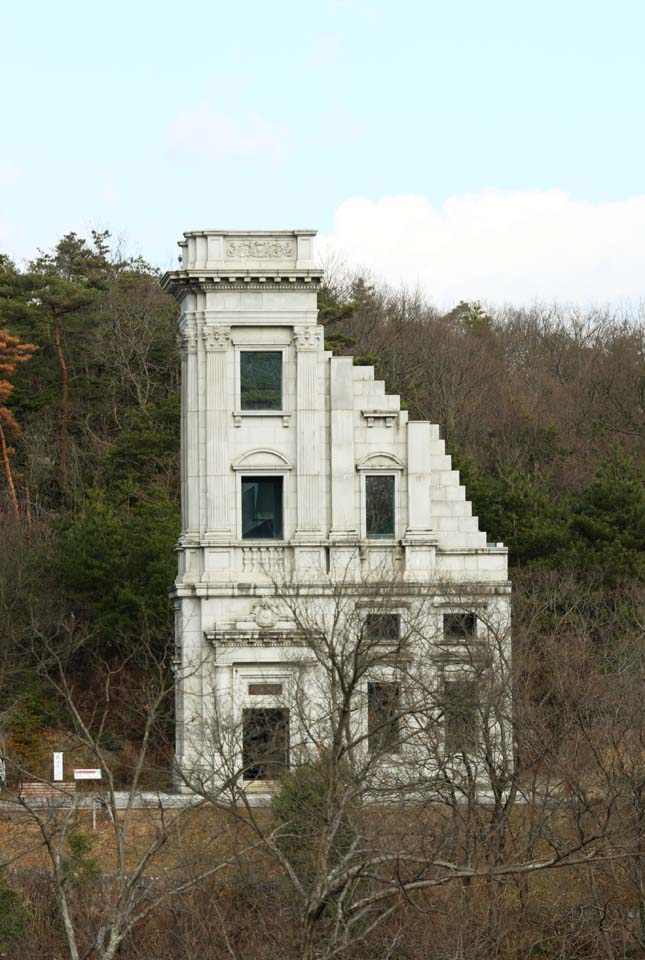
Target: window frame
(269,474)
(284,764)
(259,348)
(379,749)
(383,640)
(242,677)
(453,639)
(461,677)
(385,538)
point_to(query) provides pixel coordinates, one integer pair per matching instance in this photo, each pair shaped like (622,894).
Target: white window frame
(238,412)
(380,675)
(261,472)
(383,472)
(269,673)
(450,641)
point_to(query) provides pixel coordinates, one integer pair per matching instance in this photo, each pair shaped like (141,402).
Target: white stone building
(302,478)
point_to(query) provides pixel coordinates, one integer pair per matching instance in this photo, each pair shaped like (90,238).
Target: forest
(543,411)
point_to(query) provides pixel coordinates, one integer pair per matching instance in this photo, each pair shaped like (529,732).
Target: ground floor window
(383,717)
(265,742)
(460,710)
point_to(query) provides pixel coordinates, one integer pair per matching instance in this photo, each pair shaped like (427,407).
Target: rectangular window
(265,743)
(383,717)
(379,506)
(261,508)
(383,627)
(261,380)
(459,626)
(460,708)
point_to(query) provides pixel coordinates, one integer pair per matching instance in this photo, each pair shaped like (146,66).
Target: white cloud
(215,135)
(498,246)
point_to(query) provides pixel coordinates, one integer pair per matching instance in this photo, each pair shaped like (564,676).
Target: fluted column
(183,353)
(217,340)
(307,342)
(190,397)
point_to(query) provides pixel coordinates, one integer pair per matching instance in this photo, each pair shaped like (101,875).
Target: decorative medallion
(264,614)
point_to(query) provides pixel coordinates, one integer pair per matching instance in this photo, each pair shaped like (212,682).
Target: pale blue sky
(154,118)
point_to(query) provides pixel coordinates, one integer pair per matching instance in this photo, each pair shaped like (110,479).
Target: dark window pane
(265,689)
(460,708)
(383,717)
(265,743)
(262,508)
(459,626)
(379,506)
(261,380)
(382,627)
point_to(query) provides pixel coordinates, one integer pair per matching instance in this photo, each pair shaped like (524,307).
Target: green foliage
(115,555)
(145,450)
(333,313)
(33,709)
(310,804)
(14,916)
(600,530)
(117,563)
(471,316)
(516,508)
(608,521)
(332,308)
(369,360)
(80,868)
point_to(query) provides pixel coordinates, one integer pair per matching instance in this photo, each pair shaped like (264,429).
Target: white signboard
(93,773)
(58,766)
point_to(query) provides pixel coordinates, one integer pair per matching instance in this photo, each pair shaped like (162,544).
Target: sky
(477,150)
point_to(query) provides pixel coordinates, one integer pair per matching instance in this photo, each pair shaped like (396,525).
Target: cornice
(289,281)
(214,232)
(435,592)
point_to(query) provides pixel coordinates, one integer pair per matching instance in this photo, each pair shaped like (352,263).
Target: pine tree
(12,353)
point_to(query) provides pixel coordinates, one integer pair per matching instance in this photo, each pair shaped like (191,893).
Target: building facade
(305,488)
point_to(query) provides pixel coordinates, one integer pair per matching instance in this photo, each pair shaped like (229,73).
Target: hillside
(543,412)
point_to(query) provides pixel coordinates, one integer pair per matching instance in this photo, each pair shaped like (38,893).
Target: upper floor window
(261,380)
(261,508)
(379,505)
(459,626)
(383,627)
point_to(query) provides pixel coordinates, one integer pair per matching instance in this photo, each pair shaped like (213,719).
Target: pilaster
(419,540)
(183,354)
(309,550)
(191,486)
(217,340)
(201,393)
(344,556)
